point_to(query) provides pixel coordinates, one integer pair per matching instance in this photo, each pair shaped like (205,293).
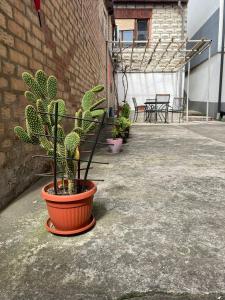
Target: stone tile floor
(160,231)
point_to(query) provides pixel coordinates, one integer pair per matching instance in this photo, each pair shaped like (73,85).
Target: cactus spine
(40,122)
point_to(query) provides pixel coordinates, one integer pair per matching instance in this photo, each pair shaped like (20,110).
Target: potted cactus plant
(70,211)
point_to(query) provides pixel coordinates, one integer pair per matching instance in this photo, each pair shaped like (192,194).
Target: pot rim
(68,198)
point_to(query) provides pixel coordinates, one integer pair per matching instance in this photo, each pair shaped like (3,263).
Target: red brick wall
(70,45)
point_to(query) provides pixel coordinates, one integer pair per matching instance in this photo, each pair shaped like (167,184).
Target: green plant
(40,122)
(125,112)
(121,125)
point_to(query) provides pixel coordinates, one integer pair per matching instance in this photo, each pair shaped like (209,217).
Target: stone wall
(70,45)
(167,22)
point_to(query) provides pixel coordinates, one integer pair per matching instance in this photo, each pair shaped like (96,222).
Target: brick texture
(70,45)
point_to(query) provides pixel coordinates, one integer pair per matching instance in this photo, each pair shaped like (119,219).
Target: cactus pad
(41,79)
(34,121)
(61,109)
(72,141)
(52,87)
(78,122)
(98,102)
(79,131)
(97,113)
(32,84)
(97,88)
(22,134)
(41,108)
(60,134)
(31,97)
(86,116)
(87,100)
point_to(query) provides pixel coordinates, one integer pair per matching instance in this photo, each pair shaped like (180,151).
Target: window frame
(136,27)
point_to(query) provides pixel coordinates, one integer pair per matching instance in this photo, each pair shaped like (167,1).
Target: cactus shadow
(99,210)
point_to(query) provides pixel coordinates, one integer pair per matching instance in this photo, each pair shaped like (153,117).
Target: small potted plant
(122,126)
(125,112)
(115,143)
(70,211)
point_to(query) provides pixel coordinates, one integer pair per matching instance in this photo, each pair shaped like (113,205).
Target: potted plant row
(121,130)
(70,211)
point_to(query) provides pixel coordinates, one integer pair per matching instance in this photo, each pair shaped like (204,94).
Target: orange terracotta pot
(70,214)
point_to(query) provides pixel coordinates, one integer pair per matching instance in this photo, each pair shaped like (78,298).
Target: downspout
(181,11)
(182,17)
(221,62)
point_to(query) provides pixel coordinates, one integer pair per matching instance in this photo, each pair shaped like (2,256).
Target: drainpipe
(181,11)
(221,62)
(182,17)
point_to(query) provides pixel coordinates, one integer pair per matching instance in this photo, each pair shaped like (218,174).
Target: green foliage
(40,122)
(125,110)
(121,125)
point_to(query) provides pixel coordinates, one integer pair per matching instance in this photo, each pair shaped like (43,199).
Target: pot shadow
(99,210)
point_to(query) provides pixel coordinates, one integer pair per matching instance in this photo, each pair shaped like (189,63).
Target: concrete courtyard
(160,231)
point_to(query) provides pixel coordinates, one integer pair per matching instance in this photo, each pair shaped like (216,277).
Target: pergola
(160,56)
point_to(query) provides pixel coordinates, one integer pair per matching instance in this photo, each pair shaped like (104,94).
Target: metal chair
(137,109)
(177,107)
(162,108)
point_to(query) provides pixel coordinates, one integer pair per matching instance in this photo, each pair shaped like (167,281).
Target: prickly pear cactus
(40,123)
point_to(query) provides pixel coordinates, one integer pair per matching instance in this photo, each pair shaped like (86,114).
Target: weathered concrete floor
(160,230)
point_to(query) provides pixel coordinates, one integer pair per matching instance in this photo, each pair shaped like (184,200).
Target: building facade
(71,44)
(153,20)
(205,19)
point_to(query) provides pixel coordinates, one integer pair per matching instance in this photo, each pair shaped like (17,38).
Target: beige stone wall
(167,22)
(70,45)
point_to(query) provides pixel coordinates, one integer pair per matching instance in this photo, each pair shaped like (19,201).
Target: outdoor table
(157,107)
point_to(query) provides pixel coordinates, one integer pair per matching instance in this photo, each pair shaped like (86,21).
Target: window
(126,35)
(142,29)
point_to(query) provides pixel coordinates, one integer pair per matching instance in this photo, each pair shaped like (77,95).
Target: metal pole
(55,148)
(221,62)
(106,75)
(208,98)
(94,146)
(188,90)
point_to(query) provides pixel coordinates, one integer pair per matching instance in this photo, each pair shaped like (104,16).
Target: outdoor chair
(162,106)
(177,107)
(137,109)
